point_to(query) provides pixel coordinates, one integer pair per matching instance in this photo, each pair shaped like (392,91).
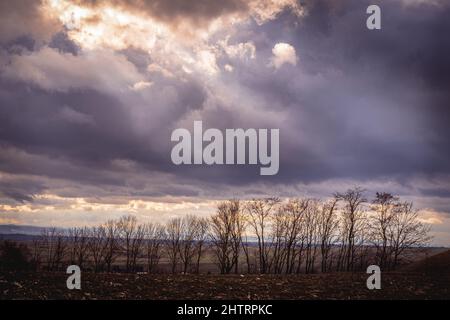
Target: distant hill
(435,264)
(7,229)
(15,232)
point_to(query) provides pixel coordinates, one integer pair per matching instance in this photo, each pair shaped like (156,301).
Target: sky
(91,90)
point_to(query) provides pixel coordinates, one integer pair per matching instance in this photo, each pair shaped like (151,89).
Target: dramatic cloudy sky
(90,91)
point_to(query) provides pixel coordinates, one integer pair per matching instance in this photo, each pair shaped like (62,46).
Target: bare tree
(239,225)
(246,249)
(111,245)
(78,245)
(155,239)
(132,237)
(351,225)
(73,236)
(37,252)
(297,236)
(328,224)
(127,228)
(189,230)
(311,229)
(174,234)
(384,207)
(97,247)
(137,244)
(280,225)
(56,245)
(294,212)
(226,235)
(260,213)
(201,237)
(407,231)
(47,244)
(286,226)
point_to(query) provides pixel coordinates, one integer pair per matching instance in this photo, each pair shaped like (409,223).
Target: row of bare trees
(344,233)
(124,242)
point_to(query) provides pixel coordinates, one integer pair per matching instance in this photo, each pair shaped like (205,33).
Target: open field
(396,285)
(425,274)
(428,278)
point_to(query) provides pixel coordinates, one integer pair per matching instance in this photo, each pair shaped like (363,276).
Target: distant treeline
(304,235)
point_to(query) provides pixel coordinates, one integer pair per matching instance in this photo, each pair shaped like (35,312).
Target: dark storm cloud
(365,104)
(358,105)
(84,126)
(31,120)
(20,190)
(62,42)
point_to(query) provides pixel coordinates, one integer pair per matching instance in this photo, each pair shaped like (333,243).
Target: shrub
(14,257)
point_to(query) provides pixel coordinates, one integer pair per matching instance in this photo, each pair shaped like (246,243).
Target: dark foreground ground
(405,285)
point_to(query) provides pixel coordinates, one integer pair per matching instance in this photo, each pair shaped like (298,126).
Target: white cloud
(175,46)
(266,10)
(243,50)
(431,216)
(283,53)
(208,62)
(52,70)
(155,68)
(141,85)
(228,68)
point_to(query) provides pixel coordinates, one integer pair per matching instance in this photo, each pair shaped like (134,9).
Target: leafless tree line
(124,242)
(345,233)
